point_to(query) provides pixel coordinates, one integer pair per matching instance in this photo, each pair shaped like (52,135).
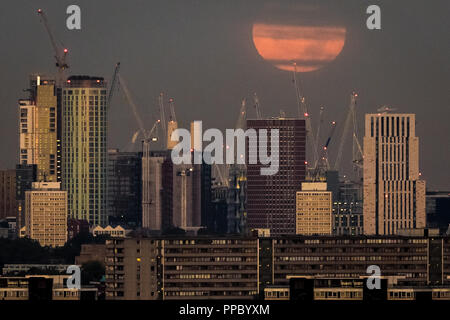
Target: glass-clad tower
(84,162)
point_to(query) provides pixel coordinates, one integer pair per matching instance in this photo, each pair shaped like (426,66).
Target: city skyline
(255,151)
(380,79)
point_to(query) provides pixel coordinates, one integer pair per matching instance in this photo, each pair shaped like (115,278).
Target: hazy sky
(202,54)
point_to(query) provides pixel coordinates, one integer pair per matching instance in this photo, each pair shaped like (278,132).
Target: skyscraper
(84,162)
(271,198)
(46,214)
(39,139)
(124,188)
(394,195)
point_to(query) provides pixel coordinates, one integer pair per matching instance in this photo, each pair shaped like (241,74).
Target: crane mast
(172,110)
(172,125)
(351,118)
(257,107)
(319,125)
(113,83)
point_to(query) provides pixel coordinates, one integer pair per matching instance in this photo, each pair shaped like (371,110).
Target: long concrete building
(242,267)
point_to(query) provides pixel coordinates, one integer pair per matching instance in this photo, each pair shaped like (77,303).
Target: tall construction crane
(146,197)
(257,107)
(223,170)
(113,83)
(350,121)
(304,114)
(173,117)
(172,125)
(60,53)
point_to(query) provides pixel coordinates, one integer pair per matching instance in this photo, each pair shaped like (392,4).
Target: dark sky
(202,54)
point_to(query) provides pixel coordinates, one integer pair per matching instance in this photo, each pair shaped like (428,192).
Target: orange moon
(310,47)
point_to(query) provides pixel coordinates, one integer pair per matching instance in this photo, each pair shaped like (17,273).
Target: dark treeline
(29,251)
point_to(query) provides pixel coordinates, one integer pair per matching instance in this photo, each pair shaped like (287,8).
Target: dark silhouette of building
(217,218)
(7,193)
(438,210)
(76,227)
(348,210)
(26,174)
(124,188)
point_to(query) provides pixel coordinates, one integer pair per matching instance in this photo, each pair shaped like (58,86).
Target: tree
(92,271)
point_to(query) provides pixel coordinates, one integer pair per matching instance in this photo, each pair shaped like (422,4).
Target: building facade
(7,194)
(46,214)
(394,194)
(348,209)
(314,208)
(152,202)
(183,188)
(241,268)
(26,174)
(39,140)
(84,161)
(438,210)
(237,200)
(271,202)
(124,188)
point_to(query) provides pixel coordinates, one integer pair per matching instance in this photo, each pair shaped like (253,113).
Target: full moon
(310,47)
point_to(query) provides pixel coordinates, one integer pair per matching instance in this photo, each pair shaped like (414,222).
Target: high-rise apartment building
(7,193)
(124,188)
(271,198)
(84,133)
(314,208)
(39,139)
(46,214)
(394,195)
